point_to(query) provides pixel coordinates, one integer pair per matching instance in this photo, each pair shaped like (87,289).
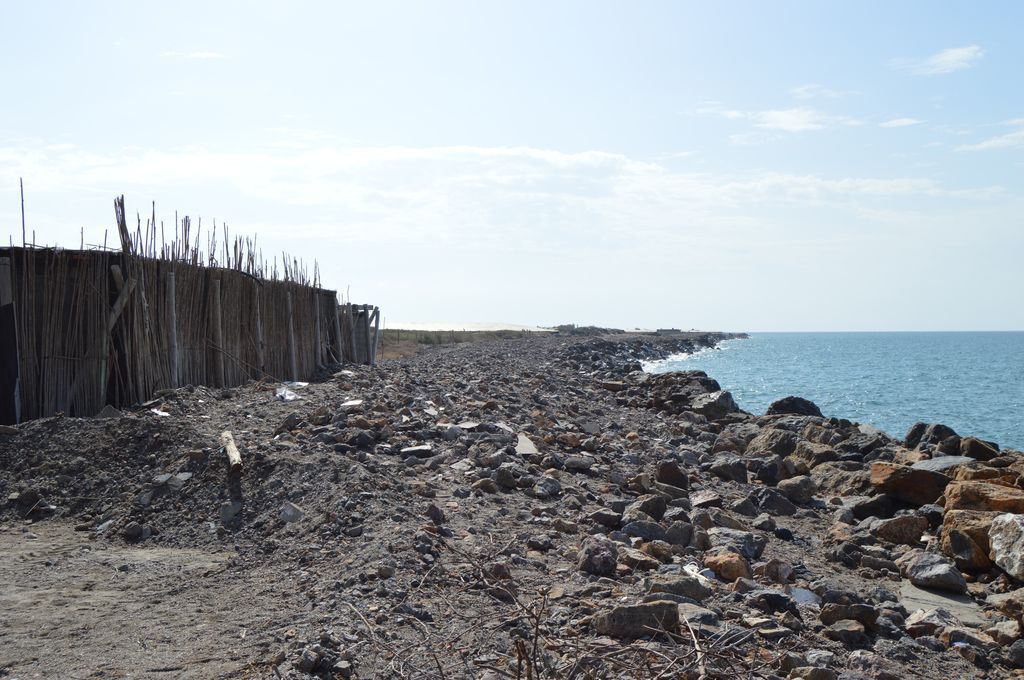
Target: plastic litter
(285,394)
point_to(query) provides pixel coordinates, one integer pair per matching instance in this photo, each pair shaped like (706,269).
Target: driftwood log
(234,457)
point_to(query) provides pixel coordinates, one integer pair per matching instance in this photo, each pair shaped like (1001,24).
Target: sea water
(971,381)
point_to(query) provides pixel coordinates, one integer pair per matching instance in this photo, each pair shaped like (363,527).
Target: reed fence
(80,329)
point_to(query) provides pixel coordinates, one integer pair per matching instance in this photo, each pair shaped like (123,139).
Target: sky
(729,165)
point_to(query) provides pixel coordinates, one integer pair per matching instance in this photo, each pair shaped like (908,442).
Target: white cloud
(812,90)
(195,55)
(900,122)
(796,119)
(1010,140)
(940,63)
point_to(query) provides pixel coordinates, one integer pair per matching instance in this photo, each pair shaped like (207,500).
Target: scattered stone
(638,620)
(728,566)
(903,529)
(929,570)
(598,556)
(847,632)
(799,489)
(291,512)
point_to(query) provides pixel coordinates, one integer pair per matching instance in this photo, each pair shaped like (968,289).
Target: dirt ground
(74,607)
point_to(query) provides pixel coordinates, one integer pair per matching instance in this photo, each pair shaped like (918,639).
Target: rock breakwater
(526,508)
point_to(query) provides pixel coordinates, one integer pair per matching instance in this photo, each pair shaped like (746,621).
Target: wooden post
(6,288)
(318,348)
(7,298)
(218,333)
(351,340)
(366,333)
(339,353)
(172,331)
(260,366)
(376,336)
(291,340)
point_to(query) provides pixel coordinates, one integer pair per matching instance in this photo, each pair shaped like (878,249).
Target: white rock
(1006,536)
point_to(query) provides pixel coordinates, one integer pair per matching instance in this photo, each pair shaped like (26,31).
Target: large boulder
(980,495)
(1006,537)
(797,406)
(908,484)
(841,478)
(772,442)
(930,570)
(978,449)
(902,529)
(924,436)
(715,405)
(800,489)
(964,537)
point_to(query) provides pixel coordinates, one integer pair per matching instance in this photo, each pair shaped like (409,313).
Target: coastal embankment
(530,507)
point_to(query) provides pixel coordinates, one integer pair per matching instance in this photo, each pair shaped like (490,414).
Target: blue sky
(733,165)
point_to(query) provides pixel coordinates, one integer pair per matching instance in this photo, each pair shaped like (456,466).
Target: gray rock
(775,503)
(729,467)
(679,533)
(741,542)
(793,406)
(669,472)
(1015,654)
(1006,538)
(648,531)
(291,512)
(942,463)
(686,586)
(800,489)
(638,620)
(714,405)
(847,632)
(653,505)
(229,511)
(598,556)
(931,570)
(772,441)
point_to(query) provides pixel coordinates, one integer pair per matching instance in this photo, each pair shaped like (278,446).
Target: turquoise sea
(971,381)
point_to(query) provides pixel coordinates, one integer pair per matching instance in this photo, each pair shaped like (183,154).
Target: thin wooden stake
(260,365)
(172,331)
(218,334)
(291,339)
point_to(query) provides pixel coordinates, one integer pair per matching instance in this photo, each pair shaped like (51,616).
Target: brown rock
(975,495)
(668,472)
(968,472)
(841,478)
(637,560)
(728,566)
(914,486)
(977,449)
(904,529)
(974,523)
(772,442)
